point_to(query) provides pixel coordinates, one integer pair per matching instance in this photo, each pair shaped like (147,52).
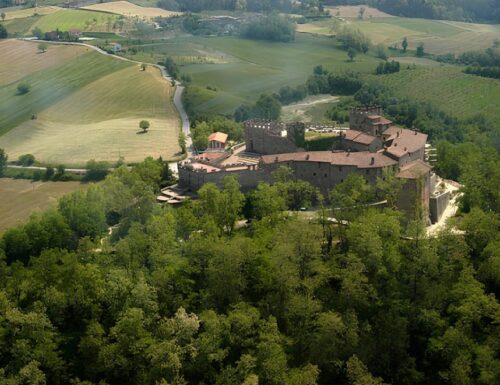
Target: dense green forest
(467,10)
(197,296)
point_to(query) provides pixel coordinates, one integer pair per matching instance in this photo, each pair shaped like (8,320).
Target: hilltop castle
(371,145)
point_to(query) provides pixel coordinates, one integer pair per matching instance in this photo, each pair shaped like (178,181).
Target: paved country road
(179,88)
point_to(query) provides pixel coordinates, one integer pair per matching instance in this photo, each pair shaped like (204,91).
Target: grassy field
(352,11)
(19,13)
(438,36)
(63,19)
(86,106)
(448,89)
(125,8)
(248,68)
(20,198)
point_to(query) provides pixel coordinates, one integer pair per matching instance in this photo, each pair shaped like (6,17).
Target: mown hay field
(19,13)
(352,11)
(19,198)
(438,36)
(87,107)
(447,88)
(125,8)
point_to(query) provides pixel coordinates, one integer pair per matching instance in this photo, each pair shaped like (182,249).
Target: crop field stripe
(52,85)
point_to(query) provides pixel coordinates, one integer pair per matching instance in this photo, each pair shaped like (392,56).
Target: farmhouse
(371,147)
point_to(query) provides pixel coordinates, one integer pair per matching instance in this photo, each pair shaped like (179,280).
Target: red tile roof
(218,137)
(404,141)
(362,159)
(414,170)
(358,137)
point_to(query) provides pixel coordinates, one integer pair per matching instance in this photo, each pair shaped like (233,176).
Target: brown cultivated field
(20,197)
(128,9)
(23,58)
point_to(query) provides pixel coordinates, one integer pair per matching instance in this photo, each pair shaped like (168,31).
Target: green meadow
(239,70)
(438,36)
(447,88)
(63,20)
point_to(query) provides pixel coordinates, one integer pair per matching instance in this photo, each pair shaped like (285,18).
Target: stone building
(371,145)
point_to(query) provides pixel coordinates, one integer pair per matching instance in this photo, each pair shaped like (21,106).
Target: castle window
(326,175)
(314,174)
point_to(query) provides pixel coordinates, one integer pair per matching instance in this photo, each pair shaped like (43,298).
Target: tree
(420,50)
(404,44)
(361,13)
(3,32)
(3,16)
(42,47)
(26,160)
(143,67)
(96,170)
(381,52)
(351,52)
(182,142)
(267,107)
(23,88)
(144,125)
(3,161)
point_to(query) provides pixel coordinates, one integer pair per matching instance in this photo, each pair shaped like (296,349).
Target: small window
(341,180)
(340,168)
(326,175)
(367,171)
(314,174)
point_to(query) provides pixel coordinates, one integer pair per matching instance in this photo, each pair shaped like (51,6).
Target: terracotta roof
(404,141)
(414,170)
(378,120)
(363,159)
(218,137)
(358,137)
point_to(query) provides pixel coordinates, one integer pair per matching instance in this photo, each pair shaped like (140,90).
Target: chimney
(416,132)
(373,160)
(398,134)
(307,157)
(276,159)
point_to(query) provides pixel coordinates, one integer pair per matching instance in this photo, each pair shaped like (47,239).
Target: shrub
(26,160)
(23,88)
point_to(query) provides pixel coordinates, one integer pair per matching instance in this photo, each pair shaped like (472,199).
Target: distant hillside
(463,10)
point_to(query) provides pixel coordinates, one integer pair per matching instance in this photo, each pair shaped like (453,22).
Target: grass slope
(248,68)
(62,19)
(438,36)
(128,9)
(449,89)
(19,198)
(88,107)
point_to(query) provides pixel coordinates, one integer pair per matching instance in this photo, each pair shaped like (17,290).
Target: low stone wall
(248,178)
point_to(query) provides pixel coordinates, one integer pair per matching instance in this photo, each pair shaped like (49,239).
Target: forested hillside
(195,296)
(466,10)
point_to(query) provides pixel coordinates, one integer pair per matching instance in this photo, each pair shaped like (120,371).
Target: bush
(354,38)
(23,88)
(96,170)
(26,160)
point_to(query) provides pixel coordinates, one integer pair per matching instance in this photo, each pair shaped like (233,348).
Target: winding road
(179,88)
